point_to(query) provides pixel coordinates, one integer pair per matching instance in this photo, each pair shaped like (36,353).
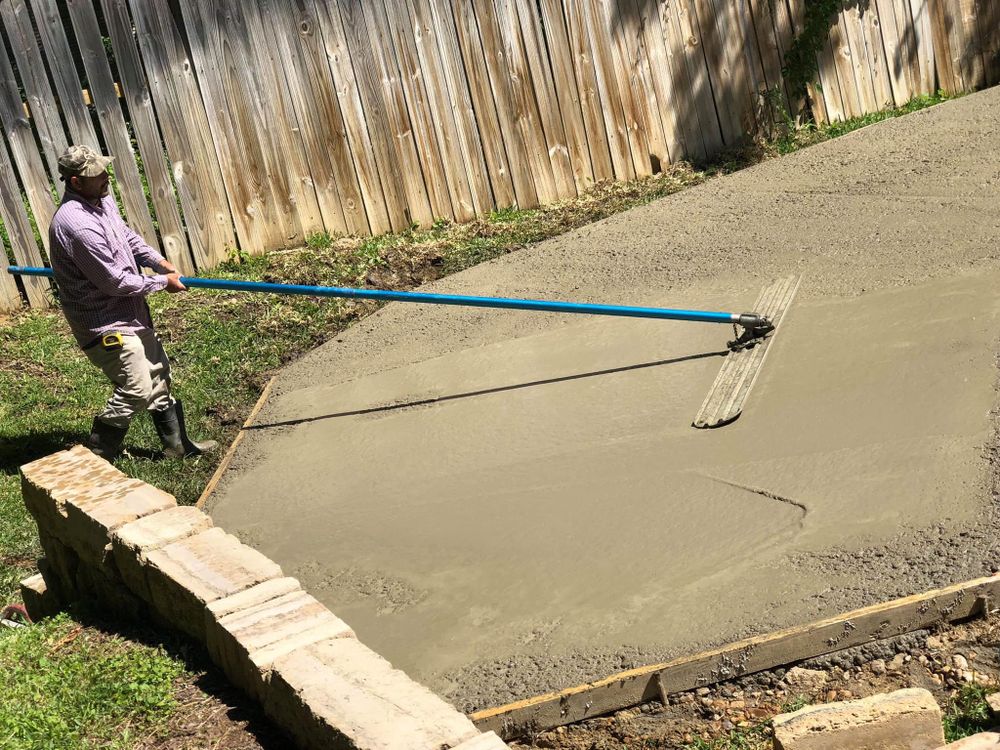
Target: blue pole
(447,299)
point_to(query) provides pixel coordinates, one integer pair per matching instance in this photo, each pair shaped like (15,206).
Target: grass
(967,713)
(66,686)
(224,346)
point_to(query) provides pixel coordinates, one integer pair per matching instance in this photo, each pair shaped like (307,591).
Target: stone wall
(129,547)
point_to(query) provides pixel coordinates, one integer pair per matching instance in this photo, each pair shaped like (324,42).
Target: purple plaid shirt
(95,259)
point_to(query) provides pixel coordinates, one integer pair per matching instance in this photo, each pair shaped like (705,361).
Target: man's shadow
(18,450)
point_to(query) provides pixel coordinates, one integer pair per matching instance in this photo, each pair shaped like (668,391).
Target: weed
(65,686)
(756,737)
(967,713)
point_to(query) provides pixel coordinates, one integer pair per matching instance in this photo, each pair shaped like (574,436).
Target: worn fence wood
(30,66)
(27,159)
(109,113)
(22,241)
(138,99)
(186,132)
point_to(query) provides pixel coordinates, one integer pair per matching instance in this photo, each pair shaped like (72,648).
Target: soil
(508,503)
(941,662)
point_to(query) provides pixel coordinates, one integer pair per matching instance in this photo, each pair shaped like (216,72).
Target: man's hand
(174,284)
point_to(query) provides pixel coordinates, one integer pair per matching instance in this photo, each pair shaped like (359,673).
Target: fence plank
(109,114)
(851,21)
(920,26)
(829,80)
(973,67)
(679,20)
(41,100)
(946,58)
(64,72)
(470,142)
(186,131)
(382,130)
(346,85)
(402,38)
(21,139)
(485,107)
(140,109)
(760,105)
(296,35)
(652,49)
(989,29)
(790,21)
(22,242)
(514,67)
(280,129)
(556,31)
(220,39)
(898,53)
(844,65)
(400,125)
(763,19)
(541,80)
(587,86)
(873,35)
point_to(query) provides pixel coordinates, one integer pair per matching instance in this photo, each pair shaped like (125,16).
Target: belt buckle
(111,342)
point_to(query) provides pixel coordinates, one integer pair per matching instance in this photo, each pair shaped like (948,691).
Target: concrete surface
(504,503)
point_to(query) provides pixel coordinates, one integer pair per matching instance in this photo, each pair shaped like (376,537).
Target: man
(95,259)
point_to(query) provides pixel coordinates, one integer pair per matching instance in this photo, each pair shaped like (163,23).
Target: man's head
(85,171)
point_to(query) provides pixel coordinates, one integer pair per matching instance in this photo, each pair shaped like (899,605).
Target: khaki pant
(140,372)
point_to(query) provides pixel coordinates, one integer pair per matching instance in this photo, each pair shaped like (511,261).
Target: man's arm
(94,258)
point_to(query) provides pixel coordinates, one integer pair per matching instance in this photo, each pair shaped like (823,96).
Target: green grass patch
(967,713)
(71,687)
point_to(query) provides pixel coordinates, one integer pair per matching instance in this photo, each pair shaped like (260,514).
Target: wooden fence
(252,124)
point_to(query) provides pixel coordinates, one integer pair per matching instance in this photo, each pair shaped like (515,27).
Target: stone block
(38,598)
(340,694)
(245,643)
(184,576)
(47,483)
(60,569)
(907,719)
(981,741)
(488,741)
(251,597)
(107,594)
(90,522)
(993,701)
(133,541)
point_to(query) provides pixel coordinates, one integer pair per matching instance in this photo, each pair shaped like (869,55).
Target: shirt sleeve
(144,254)
(96,261)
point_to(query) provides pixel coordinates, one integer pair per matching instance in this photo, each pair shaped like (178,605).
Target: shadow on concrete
(484,391)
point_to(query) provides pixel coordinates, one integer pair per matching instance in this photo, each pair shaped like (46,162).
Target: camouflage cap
(83,161)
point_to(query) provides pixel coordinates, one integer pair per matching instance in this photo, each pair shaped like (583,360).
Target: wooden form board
(952,604)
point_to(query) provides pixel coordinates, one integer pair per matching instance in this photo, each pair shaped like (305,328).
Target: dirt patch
(941,662)
(553,502)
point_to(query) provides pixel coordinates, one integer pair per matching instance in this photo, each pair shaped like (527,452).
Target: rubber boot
(106,440)
(170,427)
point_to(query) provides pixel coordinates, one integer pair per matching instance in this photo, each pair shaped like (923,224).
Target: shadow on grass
(18,450)
(227,720)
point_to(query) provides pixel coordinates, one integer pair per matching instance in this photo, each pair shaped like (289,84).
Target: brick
(90,521)
(133,541)
(47,483)
(61,565)
(488,741)
(981,741)
(245,643)
(993,701)
(340,694)
(39,600)
(184,576)
(251,597)
(903,720)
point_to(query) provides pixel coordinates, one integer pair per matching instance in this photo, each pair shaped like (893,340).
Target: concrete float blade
(731,388)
